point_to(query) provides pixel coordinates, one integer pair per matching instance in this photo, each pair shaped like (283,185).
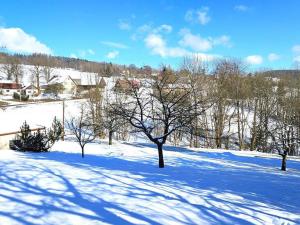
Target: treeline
(213,106)
(248,111)
(103,68)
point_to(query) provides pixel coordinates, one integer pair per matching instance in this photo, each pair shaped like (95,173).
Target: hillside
(294,74)
(82,65)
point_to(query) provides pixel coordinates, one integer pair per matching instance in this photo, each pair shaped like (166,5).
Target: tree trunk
(283,162)
(110,134)
(161,163)
(239,125)
(17,79)
(253,135)
(191,139)
(82,152)
(38,85)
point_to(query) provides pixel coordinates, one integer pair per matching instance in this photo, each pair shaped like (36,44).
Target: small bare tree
(285,142)
(111,120)
(82,129)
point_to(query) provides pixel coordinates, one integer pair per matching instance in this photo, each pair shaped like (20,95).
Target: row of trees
(13,69)
(103,68)
(215,106)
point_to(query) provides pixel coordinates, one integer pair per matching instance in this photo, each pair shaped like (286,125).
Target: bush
(39,141)
(23,97)
(54,89)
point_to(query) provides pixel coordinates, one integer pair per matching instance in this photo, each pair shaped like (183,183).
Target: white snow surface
(122,184)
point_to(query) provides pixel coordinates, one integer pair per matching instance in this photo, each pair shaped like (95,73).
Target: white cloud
(147,29)
(241,8)
(202,16)
(73,55)
(112,54)
(273,57)
(198,16)
(296,49)
(297,59)
(158,46)
(222,40)
(16,40)
(124,25)
(197,43)
(155,40)
(254,59)
(114,44)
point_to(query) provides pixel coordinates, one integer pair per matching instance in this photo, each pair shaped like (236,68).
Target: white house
(30,90)
(8,87)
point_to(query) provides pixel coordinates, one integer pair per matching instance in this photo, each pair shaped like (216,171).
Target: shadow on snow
(215,188)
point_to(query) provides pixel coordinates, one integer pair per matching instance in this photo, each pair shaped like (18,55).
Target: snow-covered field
(36,115)
(122,184)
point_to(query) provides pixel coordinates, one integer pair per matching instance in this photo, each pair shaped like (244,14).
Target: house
(8,87)
(77,83)
(86,87)
(32,90)
(71,85)
(123,85)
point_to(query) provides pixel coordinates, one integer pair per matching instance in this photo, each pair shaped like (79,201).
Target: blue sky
(263,33)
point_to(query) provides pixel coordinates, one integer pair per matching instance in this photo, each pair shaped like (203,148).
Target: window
(7,90)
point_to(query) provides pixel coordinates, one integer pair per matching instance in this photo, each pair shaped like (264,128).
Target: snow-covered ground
(36,115)
(122,184)
(61,74)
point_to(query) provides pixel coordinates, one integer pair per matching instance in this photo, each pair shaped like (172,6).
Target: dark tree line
(48,61)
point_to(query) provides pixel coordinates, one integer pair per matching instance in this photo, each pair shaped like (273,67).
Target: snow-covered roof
(7,81)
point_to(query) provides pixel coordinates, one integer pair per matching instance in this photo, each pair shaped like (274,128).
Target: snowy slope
(36,115)
(122,185)
(61,75)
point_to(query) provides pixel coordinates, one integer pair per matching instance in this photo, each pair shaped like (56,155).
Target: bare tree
(222,110)
(82,129)
(12,68)
(159,108)
(37,71)
(193,71)
(48,73)
(112,122)
(285,141)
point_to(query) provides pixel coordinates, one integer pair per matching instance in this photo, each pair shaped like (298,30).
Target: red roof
(10,86)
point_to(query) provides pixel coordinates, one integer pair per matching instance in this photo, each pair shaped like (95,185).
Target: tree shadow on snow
(217,188)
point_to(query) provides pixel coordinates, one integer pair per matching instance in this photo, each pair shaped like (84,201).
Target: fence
(6,137)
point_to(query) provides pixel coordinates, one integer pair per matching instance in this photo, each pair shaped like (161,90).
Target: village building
(123,85)
(31,90)
(8,87)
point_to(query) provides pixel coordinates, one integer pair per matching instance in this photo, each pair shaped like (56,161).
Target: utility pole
(63,121)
